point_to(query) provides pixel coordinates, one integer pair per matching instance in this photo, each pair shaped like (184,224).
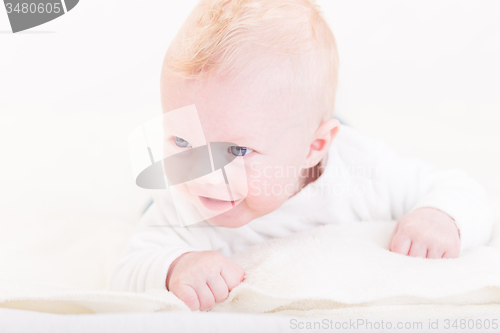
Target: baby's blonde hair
(224,37)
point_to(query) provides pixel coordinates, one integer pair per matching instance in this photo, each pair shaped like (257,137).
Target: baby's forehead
(264,96)
(225,116)
(255,103)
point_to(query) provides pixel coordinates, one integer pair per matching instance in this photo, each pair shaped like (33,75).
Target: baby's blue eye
(180,142)
(239,151)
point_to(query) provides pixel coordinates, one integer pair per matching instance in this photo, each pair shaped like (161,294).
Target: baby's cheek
(237,177)
(263,204)
(268,191)
(257,187)
(269,184)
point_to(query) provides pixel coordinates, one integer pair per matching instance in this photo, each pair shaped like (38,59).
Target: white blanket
(336,271)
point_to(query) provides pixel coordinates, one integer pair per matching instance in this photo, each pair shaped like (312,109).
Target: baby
(262,74)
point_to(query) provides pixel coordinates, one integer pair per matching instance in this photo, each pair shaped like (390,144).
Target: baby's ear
(323,138)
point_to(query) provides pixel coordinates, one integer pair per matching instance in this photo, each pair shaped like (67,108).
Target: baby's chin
(233,218)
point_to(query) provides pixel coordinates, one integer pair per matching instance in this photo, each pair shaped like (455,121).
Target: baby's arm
(439,213)
(158,252)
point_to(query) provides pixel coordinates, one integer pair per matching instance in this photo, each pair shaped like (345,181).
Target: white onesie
(363,180)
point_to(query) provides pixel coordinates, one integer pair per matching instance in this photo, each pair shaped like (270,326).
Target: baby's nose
(213,178)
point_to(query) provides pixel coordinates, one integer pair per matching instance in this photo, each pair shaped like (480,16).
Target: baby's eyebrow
(241,139)
(239,143)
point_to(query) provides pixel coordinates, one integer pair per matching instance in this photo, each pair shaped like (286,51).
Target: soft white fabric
(349,265)
(335,271)
(364,180)
(22,321)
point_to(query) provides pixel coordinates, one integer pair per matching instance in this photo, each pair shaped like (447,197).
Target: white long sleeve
(154,245)
(364,180)
(414,184)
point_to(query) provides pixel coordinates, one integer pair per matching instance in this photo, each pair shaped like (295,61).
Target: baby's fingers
(434,253)
(218,287)
(401,244)
(188,295)
(232,274)
(418,250)
(452,252)
(207,300)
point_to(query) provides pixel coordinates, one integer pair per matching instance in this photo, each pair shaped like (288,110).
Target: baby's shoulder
(351,142)
(354,148)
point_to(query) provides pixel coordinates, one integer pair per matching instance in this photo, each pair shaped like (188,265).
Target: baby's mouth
(217,204)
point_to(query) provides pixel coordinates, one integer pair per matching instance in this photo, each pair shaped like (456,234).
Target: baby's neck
(311,176)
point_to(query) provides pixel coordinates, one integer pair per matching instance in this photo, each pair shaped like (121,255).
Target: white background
(422,75)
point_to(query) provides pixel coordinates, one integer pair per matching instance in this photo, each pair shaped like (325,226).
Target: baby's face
(271,138)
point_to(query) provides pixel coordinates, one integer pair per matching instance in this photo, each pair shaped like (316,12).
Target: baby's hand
(426,232)
(200,279)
